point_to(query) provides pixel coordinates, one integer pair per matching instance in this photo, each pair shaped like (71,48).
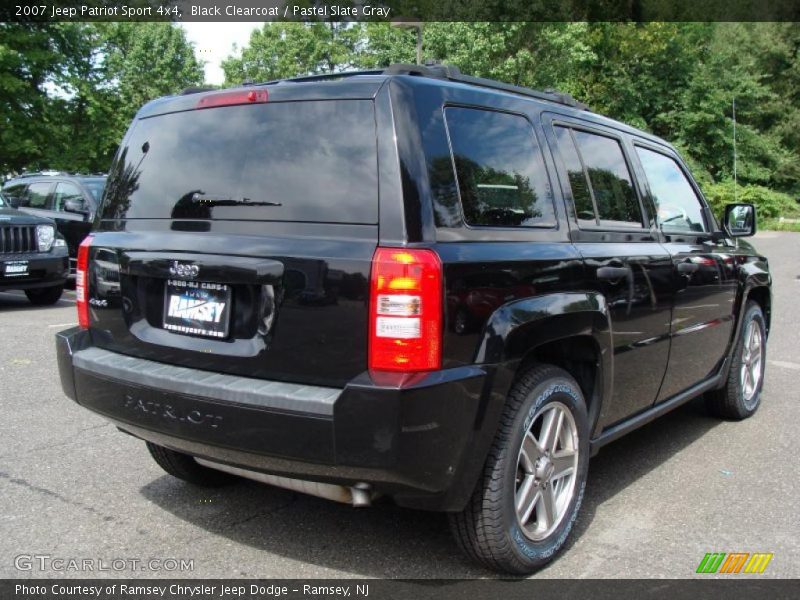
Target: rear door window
(579,183)
(598,173)
(500,170)
(310,161)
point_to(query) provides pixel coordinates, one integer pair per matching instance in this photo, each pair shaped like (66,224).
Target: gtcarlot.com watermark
(65,564)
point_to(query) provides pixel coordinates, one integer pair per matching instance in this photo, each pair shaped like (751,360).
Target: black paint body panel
(651,340)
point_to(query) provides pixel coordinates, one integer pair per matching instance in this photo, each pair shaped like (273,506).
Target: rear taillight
(82,282)
(405,311)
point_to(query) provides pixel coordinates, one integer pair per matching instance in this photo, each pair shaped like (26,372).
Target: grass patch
(778,225)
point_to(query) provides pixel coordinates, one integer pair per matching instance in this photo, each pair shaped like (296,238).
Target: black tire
(731,401)
(488,530)
(185,467)
(45,296)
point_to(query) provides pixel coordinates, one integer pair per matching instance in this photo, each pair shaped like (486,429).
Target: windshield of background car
(310,161)
(95,187)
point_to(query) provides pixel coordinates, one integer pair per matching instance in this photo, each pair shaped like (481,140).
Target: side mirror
(75,205)
(739,220)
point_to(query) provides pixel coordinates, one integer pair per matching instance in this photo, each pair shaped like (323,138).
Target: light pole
(405,24)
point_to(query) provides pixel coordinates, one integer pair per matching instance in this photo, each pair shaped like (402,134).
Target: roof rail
(444,72)
(453,73)
(54,173)
(324,76)
(47,172)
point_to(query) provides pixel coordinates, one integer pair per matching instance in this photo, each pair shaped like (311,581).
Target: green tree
(280,50)
(637,69)
(31,55)
(69,90)
(82,106)
(143,61)
(533,54)
(701,118)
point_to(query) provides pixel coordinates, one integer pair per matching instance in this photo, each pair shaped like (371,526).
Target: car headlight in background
(45,236)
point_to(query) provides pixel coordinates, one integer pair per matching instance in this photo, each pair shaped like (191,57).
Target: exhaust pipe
(359,496)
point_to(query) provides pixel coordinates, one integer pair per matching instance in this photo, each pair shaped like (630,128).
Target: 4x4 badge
(186,271)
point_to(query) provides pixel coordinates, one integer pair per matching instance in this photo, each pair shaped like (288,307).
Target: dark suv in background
(410,283)
(33,257)
(69,200)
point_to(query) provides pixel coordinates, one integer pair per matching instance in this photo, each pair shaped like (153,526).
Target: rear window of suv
(312,161)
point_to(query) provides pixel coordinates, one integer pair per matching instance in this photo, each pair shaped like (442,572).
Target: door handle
(612,273)
(687,268)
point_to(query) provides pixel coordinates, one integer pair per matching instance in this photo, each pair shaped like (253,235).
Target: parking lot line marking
(785,364)
(61,325)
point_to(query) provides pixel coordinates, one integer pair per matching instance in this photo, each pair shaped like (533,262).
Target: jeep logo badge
(185,271)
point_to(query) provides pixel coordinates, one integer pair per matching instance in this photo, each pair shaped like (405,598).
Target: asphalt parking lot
(72,486)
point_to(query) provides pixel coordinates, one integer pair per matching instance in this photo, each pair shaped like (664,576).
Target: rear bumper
(422,443)
(43,270)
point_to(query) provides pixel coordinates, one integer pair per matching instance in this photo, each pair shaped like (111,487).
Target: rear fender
(518,327)
(512,333)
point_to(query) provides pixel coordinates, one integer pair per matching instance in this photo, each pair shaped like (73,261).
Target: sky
(213,42)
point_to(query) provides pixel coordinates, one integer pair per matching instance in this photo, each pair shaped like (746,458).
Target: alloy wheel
(752,355)
(546,471)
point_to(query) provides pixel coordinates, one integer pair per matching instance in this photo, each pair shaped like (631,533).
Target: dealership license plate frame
(205,292)
(16,268)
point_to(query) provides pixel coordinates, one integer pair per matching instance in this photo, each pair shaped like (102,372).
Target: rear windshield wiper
(211,200)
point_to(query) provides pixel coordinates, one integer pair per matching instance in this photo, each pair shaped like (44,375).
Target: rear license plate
(16,268)
(197,308)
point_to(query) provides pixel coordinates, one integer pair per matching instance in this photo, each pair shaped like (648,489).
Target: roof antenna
(735,184)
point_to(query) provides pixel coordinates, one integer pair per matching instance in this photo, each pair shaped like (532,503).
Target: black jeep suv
(69,200)
(33,257)
(274,284)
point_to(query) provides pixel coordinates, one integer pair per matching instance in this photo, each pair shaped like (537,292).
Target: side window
(500,170)
(38,194)
(678,206)
(603,179)
(15,193)
(581,194)
(66,191)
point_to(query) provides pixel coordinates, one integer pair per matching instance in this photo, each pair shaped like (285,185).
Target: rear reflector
(82,282)
(405,311)
(233,98)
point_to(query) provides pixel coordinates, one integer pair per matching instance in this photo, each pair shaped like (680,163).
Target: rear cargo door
(238,239)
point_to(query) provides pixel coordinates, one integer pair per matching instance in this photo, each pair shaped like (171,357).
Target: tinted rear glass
(611,180)
(600,174)
(501,173)
(302,161)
